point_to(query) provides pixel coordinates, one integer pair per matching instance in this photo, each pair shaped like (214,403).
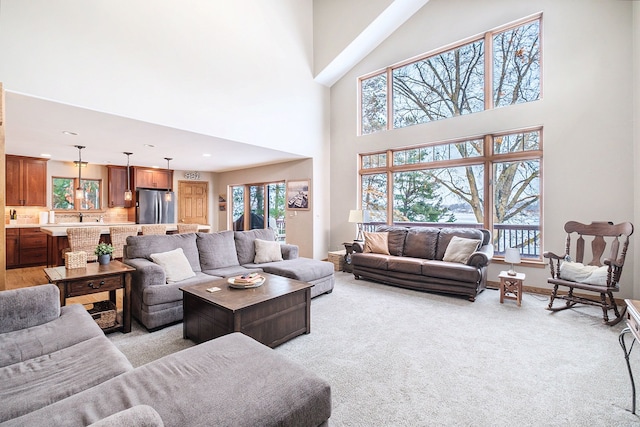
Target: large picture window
(492,181)
(455,81)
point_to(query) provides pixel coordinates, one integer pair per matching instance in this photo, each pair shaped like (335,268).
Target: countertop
(67,224)
(59,230)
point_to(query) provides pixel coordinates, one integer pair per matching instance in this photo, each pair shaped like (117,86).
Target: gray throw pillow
(217,250)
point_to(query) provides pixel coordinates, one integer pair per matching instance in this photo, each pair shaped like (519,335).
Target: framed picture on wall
(298,197)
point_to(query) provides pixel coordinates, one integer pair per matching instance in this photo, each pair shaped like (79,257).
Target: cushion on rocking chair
(578,272)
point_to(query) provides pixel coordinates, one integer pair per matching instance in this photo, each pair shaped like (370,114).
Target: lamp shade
(356,215)
(512,256)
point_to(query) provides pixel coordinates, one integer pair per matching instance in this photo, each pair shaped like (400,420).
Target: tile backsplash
(32,216)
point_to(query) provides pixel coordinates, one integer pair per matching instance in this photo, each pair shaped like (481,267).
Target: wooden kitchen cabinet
(153,178)
(26,247)
(13,247)
(117,185)
(26,181)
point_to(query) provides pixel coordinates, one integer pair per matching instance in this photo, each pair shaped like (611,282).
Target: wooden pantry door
(193,202)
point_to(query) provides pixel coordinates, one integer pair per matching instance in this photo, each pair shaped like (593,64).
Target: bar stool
(187,228)
(119,236)
(83,239)
(154,229)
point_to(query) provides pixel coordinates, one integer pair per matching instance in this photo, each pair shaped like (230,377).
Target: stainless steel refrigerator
(152,207)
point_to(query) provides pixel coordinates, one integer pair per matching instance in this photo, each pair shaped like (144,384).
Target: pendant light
(79,190)
(128,196)
(168,195)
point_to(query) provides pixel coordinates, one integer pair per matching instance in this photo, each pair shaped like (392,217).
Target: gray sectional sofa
(156,303)
(58,368)
(418,258)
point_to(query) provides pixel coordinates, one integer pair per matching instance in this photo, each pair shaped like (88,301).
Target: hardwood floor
(32,276)
(24,277)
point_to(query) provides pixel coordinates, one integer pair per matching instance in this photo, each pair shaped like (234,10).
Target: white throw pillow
(267,251)
(175,265)
(460,249)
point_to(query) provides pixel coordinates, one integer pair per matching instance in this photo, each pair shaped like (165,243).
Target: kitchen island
(57,236)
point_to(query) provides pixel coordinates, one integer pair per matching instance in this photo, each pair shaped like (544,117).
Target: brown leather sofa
(415,260)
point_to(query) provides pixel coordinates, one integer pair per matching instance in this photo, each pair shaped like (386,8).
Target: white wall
(636,139)
(336,23)
(239,70)
(586,112)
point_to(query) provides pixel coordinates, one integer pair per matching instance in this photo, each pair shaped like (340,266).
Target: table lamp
(357,216)
(512,256)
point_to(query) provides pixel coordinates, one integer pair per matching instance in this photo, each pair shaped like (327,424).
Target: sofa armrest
(358,247)
(27,307)
(147,273)
(289,251)
(139,415)
(482,257)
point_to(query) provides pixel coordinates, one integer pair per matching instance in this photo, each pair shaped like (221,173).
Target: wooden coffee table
(272,314)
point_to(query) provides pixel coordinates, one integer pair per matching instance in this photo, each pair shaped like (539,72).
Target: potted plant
(104,251)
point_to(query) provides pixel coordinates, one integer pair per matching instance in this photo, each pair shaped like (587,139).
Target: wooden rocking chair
(618,237)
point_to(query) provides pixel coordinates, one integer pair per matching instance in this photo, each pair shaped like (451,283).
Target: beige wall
(586,112)
(299,224)
(636,143)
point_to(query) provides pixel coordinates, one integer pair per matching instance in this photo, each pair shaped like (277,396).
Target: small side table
(511,287)
(348,246)
(96,278)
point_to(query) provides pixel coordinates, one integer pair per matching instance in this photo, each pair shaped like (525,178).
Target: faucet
(80,216)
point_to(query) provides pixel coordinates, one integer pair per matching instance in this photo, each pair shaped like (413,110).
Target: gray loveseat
(416,256)
(58,368)
(156,303)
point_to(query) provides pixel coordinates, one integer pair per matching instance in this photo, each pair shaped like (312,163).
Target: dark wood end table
(347,268)
(96,278)
(272,314)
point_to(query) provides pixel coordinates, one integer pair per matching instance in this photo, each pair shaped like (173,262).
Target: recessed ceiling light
(68,132)
(45,154)
(149,145)
(206,155)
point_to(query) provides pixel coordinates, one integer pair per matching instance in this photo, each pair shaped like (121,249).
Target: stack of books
(247,279)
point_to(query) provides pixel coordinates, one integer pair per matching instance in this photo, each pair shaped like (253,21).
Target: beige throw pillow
(460,249)
(267,251)
(175,265)
(377,243)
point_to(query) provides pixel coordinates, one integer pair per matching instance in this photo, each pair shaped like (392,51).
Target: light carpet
(397,357)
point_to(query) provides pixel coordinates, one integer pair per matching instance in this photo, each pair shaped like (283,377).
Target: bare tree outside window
(516,65)
(447,85)
(374,196)
(374,104)
(453,83)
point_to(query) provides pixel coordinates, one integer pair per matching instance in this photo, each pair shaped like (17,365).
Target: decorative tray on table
(246,281)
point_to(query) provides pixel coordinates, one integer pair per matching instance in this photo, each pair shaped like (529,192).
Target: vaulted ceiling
(214,86)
